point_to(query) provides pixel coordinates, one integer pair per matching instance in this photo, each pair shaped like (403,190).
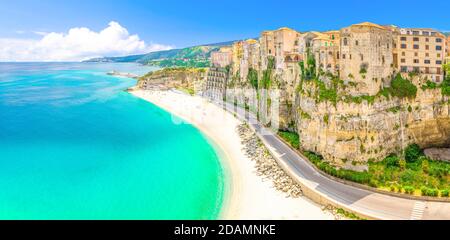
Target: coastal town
(366,105)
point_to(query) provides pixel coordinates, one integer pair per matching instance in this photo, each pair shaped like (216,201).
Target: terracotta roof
(369,24)
(251,41)
(321,36)
(285,28)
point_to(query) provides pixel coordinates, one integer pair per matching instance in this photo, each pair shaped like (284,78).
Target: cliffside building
(366,57)
(222,58)
(421,50)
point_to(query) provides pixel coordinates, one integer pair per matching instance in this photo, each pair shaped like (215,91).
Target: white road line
(417,212)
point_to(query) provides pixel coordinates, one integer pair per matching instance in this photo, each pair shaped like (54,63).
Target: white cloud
(76,45)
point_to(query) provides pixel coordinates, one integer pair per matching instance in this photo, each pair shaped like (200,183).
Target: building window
(402,60)
(438,62)
(426,33)
(362,57)
(404,69)
(403,46)
(416,60)
(427,47)
(438,40)
(427,61)
(416,54)
(416,39)
(403,54)
(438,79)
(416,46)
(438,48)
(343,56)
(427,39)
(438,70)
(403,38)
(356,42)
(345,42)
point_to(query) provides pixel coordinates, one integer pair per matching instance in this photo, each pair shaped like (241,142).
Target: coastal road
(372,204)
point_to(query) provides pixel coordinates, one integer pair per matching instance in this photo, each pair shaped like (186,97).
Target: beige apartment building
(420,50)
(326,49)
(285,42)
(238,54)
(280,44)
(366,57)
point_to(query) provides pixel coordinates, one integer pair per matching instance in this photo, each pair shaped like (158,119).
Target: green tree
(403,88)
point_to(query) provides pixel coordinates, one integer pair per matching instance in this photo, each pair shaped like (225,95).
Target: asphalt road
(376,205)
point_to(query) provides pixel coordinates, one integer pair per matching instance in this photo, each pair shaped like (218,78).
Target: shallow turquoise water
(73,145)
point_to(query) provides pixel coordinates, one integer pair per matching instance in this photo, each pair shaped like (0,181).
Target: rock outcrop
(187,78)
(350,133)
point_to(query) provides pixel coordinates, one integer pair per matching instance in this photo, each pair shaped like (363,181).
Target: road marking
(417,212)
(282,155)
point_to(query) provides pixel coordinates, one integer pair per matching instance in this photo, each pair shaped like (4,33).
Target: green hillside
(197,56)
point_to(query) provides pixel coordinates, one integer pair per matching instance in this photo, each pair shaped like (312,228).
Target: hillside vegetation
(197,56)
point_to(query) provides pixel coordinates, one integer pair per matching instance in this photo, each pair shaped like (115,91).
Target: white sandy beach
(248,196)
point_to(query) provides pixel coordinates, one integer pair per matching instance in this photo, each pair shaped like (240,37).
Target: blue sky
(186,23)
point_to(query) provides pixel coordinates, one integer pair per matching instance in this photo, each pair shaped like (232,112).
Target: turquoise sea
(74,145)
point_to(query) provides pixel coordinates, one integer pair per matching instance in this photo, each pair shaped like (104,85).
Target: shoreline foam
(247,195)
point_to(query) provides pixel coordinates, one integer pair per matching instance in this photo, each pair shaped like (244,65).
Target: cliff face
(187,78)
(349,134)
(347,130)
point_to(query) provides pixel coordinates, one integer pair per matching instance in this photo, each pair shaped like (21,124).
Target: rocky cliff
(191,79)
(350,131)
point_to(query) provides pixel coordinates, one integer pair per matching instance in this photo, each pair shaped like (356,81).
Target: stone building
(267,47)
(325,47)
(420,50)
(285,43)
(238,54)
(448,46)
(250,57)
(222,58)
(366,57)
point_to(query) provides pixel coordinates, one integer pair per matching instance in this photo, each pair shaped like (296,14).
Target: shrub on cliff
(401,87)
(445,87)
(252,77)
(413,152)
(392,161)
